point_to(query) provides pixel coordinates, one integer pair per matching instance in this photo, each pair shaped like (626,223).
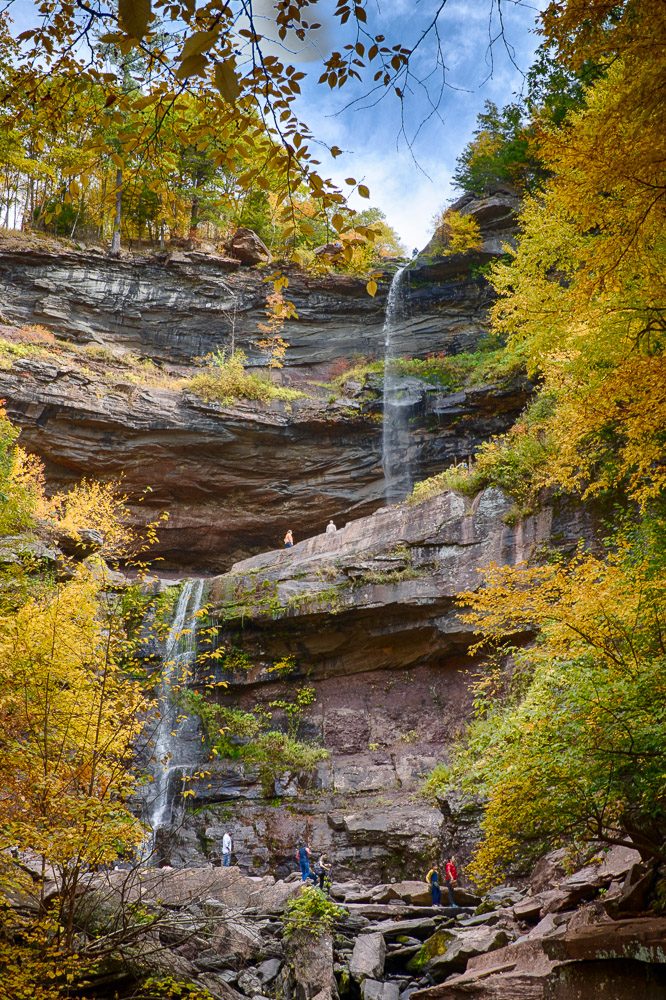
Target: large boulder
(310,973)
(248,248)
(414,892)
(367,961)
(448,951)
(371,989)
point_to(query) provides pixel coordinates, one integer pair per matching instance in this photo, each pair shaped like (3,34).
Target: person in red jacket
(451,877)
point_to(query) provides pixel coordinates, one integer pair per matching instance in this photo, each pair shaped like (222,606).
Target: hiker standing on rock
(227,847)
(432,878)
(303,858)
(289,540)
(451,876)
(330,528)
(321,870)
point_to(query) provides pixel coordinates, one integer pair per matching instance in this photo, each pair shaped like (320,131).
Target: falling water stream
(170,742)
(395,427)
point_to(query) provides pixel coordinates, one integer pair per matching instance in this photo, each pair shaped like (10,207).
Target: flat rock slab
(397,911)
(392,929)
(643,939)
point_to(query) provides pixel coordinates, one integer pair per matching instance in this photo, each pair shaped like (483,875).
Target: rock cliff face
(233,478)
(369,615)
(177,305)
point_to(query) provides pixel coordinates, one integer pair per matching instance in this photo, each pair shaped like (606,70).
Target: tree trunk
(115,239)
(194,217)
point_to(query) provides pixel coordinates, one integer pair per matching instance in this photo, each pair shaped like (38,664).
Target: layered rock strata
(233,478)
(175,305)
(370,617)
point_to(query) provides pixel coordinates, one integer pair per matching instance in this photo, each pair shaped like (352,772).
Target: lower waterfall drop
(169,739)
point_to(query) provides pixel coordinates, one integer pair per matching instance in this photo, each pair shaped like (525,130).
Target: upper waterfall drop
(395,424)
(170,744)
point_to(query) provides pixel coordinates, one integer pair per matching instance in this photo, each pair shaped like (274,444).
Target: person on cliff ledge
(289,540)
(432,878)
(451,878)
(303,858)
(330,528)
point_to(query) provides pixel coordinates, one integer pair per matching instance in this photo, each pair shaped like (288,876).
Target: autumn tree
(570,750)
(72,715)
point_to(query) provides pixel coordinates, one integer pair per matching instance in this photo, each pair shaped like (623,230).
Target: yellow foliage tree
(582,300)
(574,751)
(456,233)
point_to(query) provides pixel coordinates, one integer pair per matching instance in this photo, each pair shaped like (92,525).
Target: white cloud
(369,134)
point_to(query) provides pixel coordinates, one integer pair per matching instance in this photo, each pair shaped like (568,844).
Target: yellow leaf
(363,191)
(192,66)
(226,81)
(134,16)
(371,287)
(200,41)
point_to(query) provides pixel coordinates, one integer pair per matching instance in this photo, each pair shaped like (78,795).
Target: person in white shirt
(227,847)
(330,528)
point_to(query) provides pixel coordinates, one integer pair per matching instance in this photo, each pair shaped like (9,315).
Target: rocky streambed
(579,937)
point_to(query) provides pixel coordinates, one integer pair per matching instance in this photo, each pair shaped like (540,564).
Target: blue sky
(410,186)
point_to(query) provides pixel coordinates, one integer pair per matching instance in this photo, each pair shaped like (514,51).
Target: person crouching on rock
(303,858)
(288,540)
(432,878)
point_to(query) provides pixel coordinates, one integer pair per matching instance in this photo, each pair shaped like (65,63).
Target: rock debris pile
(224,931)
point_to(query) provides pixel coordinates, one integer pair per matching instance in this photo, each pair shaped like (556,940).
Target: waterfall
(396,408)
(170,737)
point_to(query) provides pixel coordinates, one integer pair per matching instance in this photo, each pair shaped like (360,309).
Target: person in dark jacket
(321,870)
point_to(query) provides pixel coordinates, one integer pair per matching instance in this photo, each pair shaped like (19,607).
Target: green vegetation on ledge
(226,379)
(251,736)
(514,462)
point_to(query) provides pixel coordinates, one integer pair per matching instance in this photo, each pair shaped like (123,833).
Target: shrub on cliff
(456,233)
(226,379)
(254,738)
